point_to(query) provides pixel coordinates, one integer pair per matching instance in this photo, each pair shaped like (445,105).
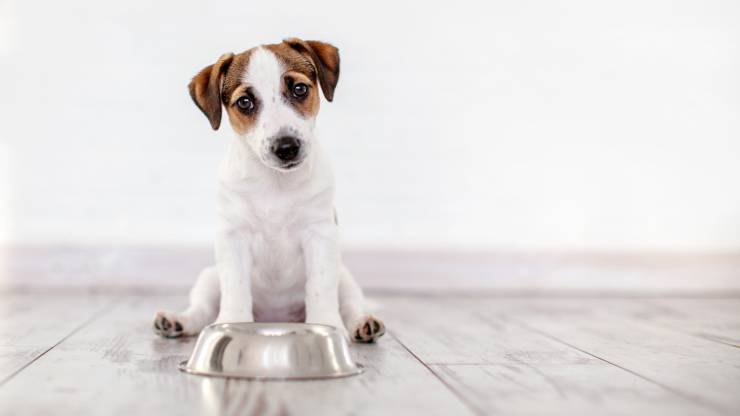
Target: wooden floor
(95,354)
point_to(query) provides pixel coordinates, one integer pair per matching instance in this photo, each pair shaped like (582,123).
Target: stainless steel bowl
(271,351)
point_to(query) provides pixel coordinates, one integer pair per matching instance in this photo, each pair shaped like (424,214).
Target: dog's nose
(286,148)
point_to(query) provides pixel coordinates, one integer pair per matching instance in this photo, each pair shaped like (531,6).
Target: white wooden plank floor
(71,353)
(467,334)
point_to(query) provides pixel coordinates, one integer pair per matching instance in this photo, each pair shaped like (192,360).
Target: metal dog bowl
(271,351)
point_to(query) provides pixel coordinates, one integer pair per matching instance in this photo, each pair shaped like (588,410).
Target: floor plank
(706,372)
(712,319)
(116,365)
(503,367)
(580,389)
(444,331)
(31,324)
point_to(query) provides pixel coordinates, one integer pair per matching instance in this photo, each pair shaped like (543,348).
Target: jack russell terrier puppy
(277,250)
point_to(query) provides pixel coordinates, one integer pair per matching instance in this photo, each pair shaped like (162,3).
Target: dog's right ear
(326,59)
(205,89)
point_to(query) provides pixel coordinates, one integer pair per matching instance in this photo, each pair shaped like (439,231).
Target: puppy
(277,251)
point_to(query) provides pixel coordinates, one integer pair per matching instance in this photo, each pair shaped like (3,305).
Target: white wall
(483,125)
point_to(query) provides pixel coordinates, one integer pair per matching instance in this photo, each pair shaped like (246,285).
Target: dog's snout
(286,148)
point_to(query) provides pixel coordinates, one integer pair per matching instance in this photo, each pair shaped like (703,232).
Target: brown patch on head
(298,70)
(325,57)
(240,121)
(312,63)
(213,86)
(233,88)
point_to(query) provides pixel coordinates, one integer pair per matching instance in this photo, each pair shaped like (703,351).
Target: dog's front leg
(321,254)
(234,262)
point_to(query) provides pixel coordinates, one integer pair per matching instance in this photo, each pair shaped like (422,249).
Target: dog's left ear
(205,89)
(325,58)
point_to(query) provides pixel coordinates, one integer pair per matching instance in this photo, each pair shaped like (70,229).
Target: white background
(527,125)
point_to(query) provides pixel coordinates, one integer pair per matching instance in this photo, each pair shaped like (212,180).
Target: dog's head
(271,94)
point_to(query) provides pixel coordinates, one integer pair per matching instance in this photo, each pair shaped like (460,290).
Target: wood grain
(481,348)
(116,365)
(30,325)
(551,389)
(70,353)
(698,369)
(715,320)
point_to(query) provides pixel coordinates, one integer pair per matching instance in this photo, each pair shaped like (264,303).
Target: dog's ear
(325,58)
(205,89)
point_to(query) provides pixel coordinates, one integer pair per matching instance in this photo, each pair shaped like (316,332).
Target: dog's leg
(234,260)
(321,255)
(361,327)
(202,310)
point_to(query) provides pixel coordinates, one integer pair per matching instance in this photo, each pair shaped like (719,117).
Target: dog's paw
(167,325)
(369,329)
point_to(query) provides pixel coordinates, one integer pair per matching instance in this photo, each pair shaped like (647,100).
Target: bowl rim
(226,325)
(183,366)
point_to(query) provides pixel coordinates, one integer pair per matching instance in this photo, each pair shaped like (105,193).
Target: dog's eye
(300,90)
(245,103)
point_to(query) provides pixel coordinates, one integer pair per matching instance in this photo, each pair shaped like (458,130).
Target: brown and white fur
(277,253)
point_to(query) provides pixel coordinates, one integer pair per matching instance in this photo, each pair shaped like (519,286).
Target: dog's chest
(275,239)
(278,269)
(273,223)
(278,278)
(277,259)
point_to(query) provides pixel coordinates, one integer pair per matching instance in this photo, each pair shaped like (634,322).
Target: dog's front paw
(167,325)
(368,329)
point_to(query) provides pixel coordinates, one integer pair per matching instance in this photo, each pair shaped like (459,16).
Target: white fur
(277,254)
